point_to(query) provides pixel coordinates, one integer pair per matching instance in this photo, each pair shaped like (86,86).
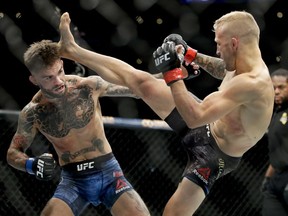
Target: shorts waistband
(88,165)
(213,141)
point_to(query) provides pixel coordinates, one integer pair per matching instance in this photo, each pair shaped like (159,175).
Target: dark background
(114,27)
(152,160)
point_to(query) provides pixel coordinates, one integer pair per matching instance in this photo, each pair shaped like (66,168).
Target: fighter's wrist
(173,76)
(29,166)
(190,55)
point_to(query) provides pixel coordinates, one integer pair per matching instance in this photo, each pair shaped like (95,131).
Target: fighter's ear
(32,80)
(235,42)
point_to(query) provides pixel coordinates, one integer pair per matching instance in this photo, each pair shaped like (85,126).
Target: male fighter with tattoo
(67,112)
(215,132)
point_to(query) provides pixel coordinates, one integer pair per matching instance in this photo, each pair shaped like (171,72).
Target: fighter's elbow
(9,157)
(12,156)
(194,121)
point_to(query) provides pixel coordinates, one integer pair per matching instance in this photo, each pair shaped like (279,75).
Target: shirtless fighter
(67,112)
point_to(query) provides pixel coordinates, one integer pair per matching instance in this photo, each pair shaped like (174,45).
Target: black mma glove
(43,167)
(189,53)
(168,62)
(192,73)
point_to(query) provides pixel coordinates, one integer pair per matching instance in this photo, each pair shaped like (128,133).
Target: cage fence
(152,159)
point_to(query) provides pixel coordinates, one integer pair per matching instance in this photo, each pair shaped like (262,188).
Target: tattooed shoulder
(99,83)
(26,117)
(72,81)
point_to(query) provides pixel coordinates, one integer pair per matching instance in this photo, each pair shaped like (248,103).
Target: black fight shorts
(206,162)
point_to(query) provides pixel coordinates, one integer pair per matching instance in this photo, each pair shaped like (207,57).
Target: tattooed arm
(21,140)
(119,91)
(112,90)
(214,66)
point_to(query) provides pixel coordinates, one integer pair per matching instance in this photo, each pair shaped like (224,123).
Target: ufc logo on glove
(162,58)
(40,168)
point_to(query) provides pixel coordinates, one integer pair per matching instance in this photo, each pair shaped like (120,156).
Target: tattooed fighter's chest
(74,113)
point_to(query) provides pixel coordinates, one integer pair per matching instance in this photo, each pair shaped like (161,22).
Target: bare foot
(67,42)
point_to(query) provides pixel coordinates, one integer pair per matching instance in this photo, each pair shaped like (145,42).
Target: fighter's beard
(49,94)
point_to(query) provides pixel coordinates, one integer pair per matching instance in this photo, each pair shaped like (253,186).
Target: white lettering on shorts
(208,130)
(85,166)
(121,185)
(200,175)
(221,166)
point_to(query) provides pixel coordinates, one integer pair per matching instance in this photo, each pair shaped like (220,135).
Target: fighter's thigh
(56,207)
(186,199)
(130,203)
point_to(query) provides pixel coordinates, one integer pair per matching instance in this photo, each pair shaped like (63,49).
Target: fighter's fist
(189,53)
(168,62)
(43,167)
(166,57)
(177,39)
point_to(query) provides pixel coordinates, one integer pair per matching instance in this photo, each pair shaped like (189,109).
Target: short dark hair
(40,55)
(280,72)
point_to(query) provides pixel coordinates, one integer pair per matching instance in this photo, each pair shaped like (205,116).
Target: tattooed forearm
(20,142)
(16,156)
(119,91)
(214,66)
(113,90)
